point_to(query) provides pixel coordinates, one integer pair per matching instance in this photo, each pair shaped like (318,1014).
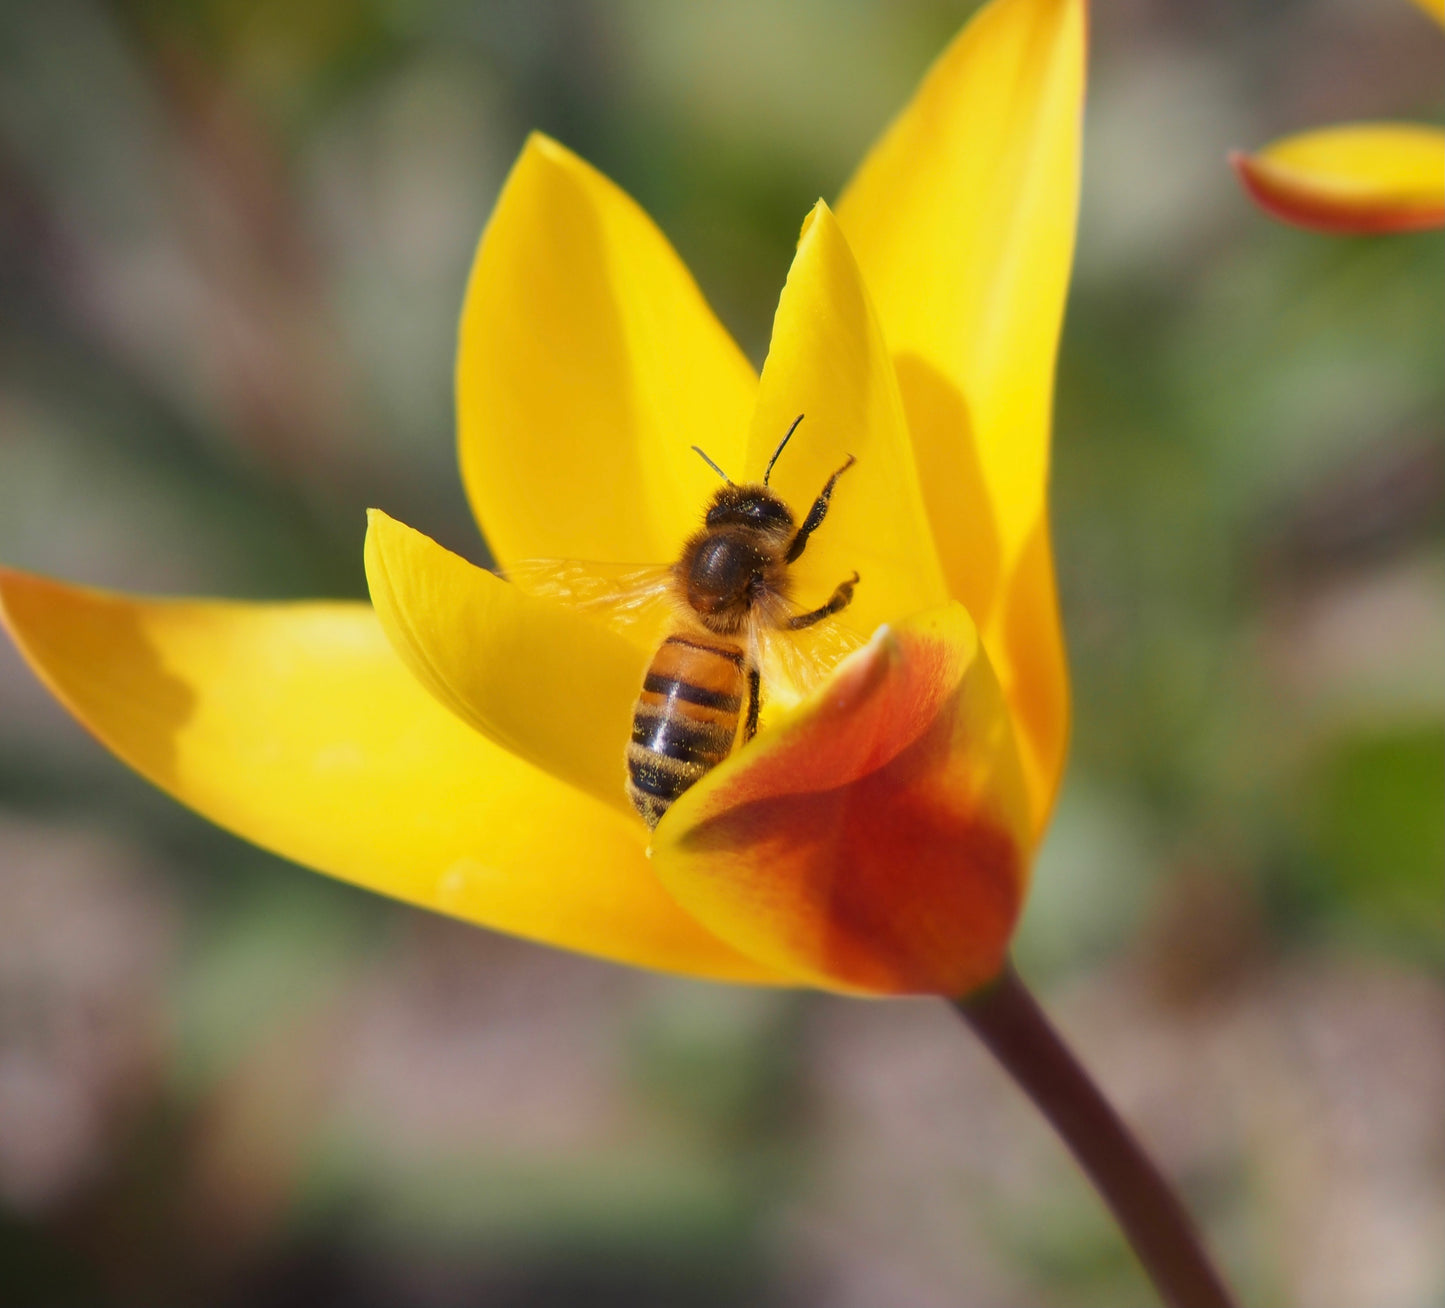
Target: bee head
(752,505)
(749,506)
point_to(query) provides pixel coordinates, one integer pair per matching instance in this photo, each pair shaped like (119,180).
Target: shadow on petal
(955,492)
(99,655)
(1015,607)
(1032,650)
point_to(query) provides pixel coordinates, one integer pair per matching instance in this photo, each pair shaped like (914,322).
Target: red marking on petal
(1332,214)
(873,844)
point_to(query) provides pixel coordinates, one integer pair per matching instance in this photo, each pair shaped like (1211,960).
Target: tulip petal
(589,362)
(876,840)
(1359,179)
(828,361)
(296,727)
(962,219)
(538,679)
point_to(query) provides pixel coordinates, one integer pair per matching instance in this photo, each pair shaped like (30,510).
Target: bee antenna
(779,450)
(697,449)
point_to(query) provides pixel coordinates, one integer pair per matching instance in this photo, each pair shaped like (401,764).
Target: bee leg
(840,599)
(817,513)
(755,702)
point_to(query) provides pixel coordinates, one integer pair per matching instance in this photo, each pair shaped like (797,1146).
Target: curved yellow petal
(828,361)
(1355,180)
(589,362)
(539,679)
(296,726)
(877,840)
(962,219)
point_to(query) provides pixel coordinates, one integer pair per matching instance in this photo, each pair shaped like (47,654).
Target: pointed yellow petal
(295,726)
(1359,179)
(828,361)
(962,218)
(878,839)
(539,679)
(589,363)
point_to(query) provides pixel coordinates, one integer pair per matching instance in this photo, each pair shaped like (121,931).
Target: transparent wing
(794,663)
(624,596)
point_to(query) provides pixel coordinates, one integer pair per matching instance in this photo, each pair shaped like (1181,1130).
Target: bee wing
(624,596)
(794,662)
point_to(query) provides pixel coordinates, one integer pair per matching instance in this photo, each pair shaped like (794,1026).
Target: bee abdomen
(680,738)
(675,688)
(684,722)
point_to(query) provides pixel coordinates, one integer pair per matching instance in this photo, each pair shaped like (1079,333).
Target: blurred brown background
(233,237)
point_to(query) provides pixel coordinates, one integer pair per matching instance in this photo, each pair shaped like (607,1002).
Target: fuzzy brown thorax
(736,558)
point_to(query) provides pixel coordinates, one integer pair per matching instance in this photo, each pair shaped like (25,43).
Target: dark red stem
(1009,1021)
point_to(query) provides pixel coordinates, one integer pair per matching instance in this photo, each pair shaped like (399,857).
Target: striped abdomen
(685,720)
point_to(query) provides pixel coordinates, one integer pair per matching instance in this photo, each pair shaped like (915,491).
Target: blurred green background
(233,237)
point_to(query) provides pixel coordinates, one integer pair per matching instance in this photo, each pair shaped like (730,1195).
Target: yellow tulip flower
(459,743)
(1355,179)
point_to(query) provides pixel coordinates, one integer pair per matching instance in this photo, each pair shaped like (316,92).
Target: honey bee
(731,612)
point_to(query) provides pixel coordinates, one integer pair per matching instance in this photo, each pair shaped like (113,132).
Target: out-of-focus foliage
(233,240)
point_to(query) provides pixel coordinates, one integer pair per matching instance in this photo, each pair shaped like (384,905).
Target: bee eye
(755,511)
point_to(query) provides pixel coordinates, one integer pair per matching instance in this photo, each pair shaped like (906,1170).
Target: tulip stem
(1008,1019)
